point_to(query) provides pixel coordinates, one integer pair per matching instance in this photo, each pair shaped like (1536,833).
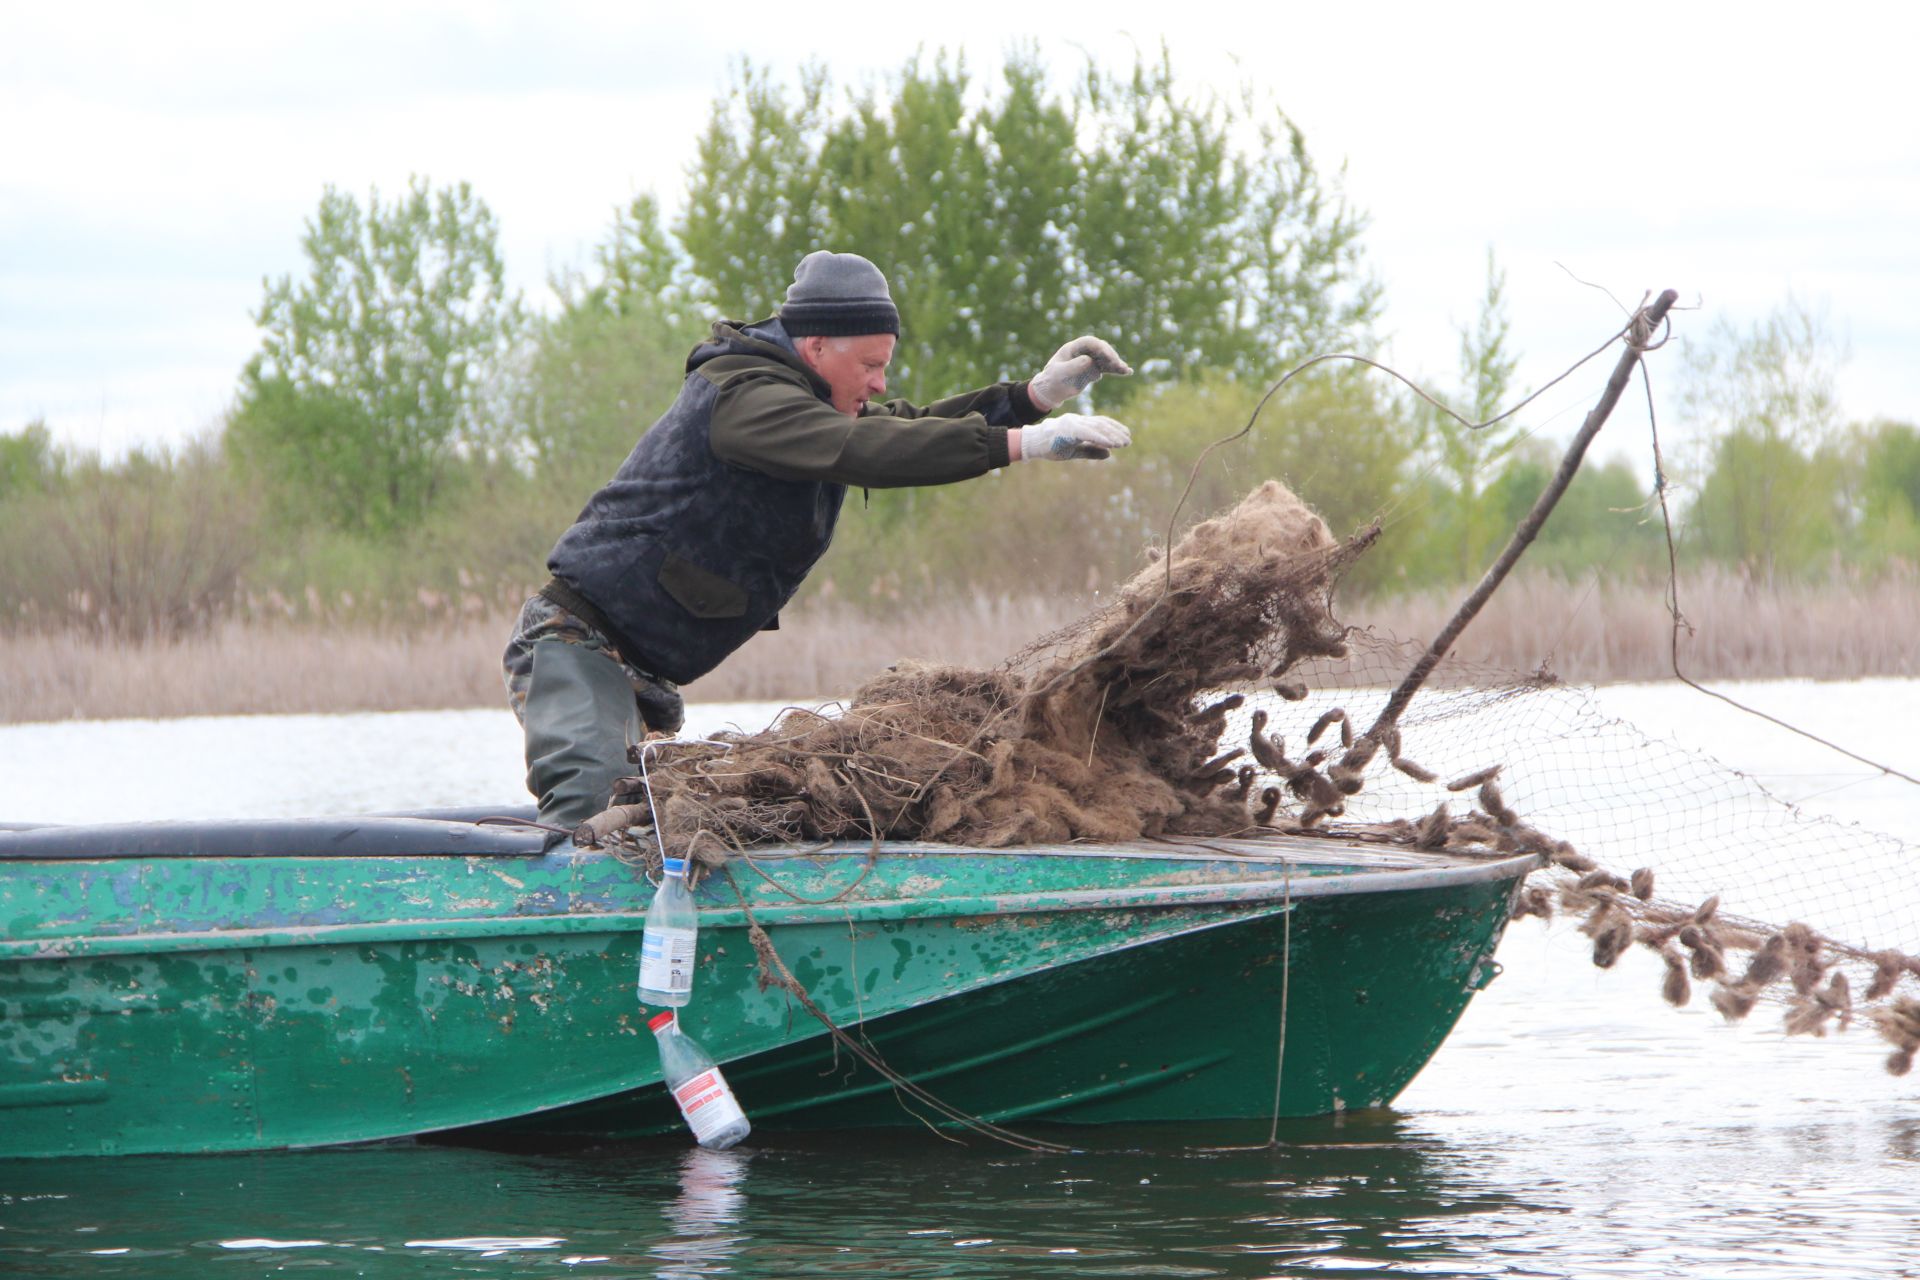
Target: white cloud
(159,160)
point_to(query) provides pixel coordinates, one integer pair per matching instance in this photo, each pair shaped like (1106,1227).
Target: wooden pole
(1645,322)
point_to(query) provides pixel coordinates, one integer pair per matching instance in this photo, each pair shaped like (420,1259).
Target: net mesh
(1218,695)
(1746,898)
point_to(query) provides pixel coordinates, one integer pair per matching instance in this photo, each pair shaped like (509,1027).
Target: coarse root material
(1095,733)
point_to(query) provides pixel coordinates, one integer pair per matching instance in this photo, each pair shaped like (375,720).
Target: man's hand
(1073,369)
(1073,436)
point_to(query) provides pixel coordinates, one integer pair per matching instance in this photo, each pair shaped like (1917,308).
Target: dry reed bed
(1588,633)
(1596,633)
(276,667)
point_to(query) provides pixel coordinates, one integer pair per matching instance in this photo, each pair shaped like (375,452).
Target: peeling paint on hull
(210,1004)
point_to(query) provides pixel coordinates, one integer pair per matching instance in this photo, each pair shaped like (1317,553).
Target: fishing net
(1745,899)
(1218,695)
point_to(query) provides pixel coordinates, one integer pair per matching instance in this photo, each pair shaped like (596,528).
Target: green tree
(1024,265)
(961,206)
(28,460)
(594,376)
(1761,402)
(1892,466)
(371,369)
(1878,464)
(1206,238)
(1196,234)
(754,189)
(915,181)
(593,382)
(1467,457)
(1333,436)
(1603,520)
(640,271)
(1764,505)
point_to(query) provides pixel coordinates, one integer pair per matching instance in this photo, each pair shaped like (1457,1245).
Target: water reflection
(1369,1194)
(709,1204)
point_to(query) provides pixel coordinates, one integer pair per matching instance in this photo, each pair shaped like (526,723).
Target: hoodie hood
(767,339)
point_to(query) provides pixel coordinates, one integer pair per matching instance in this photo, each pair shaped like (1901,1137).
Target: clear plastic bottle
(705,1100)
(666,948)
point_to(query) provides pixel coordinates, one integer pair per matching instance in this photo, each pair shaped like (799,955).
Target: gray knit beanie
(838,295)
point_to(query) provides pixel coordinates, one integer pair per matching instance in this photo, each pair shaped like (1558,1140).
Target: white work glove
(1073,436)
(1073,369)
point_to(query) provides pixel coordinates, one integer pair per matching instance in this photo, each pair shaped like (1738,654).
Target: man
(726,503)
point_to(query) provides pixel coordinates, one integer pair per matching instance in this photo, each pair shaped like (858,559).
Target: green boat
(239,987)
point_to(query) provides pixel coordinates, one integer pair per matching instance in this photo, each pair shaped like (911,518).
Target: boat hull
(184,1005)
(1187,1028)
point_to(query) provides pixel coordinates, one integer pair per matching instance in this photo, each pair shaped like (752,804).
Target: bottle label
(666,960)
(708,1104)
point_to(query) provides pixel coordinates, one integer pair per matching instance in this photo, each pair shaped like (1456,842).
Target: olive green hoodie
(726,503)
(773,415)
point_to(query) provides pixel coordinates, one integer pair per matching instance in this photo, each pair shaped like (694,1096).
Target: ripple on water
(1572,1126)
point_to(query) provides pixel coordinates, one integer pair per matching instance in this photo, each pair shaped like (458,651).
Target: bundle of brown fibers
(1096,733)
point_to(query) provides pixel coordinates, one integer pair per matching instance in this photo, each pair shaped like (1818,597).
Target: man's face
(855,368)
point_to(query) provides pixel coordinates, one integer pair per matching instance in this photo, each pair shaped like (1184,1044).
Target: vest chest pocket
(700,593)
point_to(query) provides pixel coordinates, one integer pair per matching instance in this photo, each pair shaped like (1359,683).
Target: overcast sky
(158,160)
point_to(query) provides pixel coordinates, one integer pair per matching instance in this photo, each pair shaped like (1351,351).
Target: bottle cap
(660,1020)
(676,866)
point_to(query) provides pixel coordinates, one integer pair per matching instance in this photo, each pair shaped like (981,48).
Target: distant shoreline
(1584,633)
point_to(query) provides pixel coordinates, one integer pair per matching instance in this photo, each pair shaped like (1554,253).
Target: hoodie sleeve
(1004,404)
(771,422)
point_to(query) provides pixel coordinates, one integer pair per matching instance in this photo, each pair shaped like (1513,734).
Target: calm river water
(1572,1126)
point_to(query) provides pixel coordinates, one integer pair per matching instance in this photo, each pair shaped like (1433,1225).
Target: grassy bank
(1589,633)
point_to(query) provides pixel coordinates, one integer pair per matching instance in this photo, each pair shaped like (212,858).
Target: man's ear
(809,349)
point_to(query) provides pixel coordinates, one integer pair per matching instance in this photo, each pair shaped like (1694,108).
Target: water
(1571,1126)
(1425,1190)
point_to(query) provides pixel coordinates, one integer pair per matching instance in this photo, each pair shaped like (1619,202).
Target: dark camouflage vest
(685,556)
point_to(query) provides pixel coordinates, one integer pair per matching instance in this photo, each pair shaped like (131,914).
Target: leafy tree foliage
(368,378)
(1775,378)
(1334,436)
(1207,238)
(1197,235)
(640,271)
(1470,458)
(1603,521)
(1764,505)
(28,460)
(1762,404)
(596,374)
(1874,468)
(594,382)
(752,193)
(1892,469)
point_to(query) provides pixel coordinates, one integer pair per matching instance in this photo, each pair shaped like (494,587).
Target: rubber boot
(580,716)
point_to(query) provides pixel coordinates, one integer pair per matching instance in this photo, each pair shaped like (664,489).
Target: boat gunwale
(1269,891)
(1271,846)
